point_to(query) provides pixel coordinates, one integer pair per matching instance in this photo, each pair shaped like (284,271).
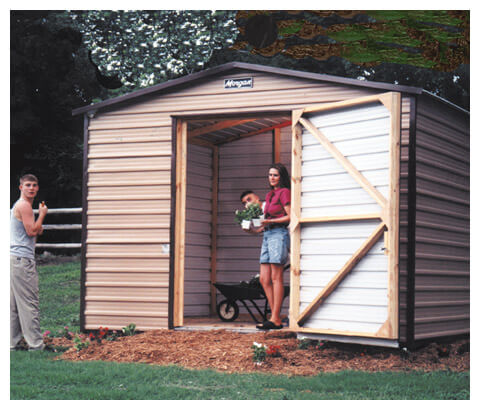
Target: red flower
(273,351)
(91,336)
(102,331)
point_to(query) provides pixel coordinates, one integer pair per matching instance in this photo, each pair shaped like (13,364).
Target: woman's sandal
(268,325)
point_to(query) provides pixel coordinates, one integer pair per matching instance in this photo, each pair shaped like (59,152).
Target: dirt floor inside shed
(232,352)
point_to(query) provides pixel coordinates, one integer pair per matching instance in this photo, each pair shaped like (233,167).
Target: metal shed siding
(128,192)
(286,147)
(198,231)
(239,170)
(442,221)
(127,222)
(269,93)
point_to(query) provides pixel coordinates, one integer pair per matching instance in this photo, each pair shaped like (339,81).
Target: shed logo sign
(238,83)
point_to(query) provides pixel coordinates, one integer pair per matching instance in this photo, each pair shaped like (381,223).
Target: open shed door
(345,213)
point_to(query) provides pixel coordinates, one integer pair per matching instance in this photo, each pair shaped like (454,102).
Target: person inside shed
(248,198)
(276,242)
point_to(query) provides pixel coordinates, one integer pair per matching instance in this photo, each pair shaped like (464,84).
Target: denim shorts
(275,246)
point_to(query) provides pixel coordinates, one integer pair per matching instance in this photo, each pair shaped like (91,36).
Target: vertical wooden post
(180,211)
(394,213)
(295,222)
(213,258)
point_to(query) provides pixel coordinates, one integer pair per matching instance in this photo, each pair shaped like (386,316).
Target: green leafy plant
(65,332)
(304,344)
(81,342)
(129,330)
(112,336)
(259,352)
(251,212)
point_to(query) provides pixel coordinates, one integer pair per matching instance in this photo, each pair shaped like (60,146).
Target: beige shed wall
(128,189)
(198,231)
(128,222)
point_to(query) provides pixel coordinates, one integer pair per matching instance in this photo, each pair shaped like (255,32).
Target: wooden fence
(61,227)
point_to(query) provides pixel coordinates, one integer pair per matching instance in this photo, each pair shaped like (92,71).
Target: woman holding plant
(276,242)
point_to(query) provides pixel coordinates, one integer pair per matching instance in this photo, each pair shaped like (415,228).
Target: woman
(276,242)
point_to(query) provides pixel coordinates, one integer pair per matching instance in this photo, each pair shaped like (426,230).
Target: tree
(51,74)
(429,49)
(48,79)
(142,48)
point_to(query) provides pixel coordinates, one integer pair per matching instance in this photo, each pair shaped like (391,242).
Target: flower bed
(232,352)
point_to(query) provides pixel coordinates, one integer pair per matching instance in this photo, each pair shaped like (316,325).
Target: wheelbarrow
(243,292)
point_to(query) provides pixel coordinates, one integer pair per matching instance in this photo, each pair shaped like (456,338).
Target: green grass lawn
(59,287)
(36,375)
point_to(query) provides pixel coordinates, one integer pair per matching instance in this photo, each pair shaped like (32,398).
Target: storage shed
(380,202)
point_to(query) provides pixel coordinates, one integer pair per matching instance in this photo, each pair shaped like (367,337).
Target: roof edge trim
(444,101)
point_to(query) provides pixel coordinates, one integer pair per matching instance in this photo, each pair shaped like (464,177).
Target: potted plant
(245,216)
(246,224)
(257,222)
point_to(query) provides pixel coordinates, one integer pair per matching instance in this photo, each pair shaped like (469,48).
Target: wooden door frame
(177,222)
(389,216)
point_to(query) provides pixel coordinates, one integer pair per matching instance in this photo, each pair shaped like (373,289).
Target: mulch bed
(232,352)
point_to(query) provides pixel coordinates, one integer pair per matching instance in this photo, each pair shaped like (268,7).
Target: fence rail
(61,227)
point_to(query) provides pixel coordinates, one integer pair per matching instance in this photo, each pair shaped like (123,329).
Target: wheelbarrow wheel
(227,311)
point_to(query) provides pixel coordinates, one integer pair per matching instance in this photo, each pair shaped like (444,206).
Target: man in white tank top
(24,312)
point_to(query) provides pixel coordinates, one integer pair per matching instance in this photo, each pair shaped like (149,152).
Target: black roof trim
(444,101)
(164,87)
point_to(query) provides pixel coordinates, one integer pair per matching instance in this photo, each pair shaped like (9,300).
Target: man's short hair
(28,177)
(245,193)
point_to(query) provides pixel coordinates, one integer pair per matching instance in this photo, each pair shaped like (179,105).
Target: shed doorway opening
(216,160)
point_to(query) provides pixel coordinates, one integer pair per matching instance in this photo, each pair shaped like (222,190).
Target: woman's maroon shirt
(275,202)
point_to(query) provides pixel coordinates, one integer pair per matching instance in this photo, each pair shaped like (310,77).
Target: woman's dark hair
(284,177)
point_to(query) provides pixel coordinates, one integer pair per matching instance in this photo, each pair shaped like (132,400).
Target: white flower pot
(257,222)
(246,224)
